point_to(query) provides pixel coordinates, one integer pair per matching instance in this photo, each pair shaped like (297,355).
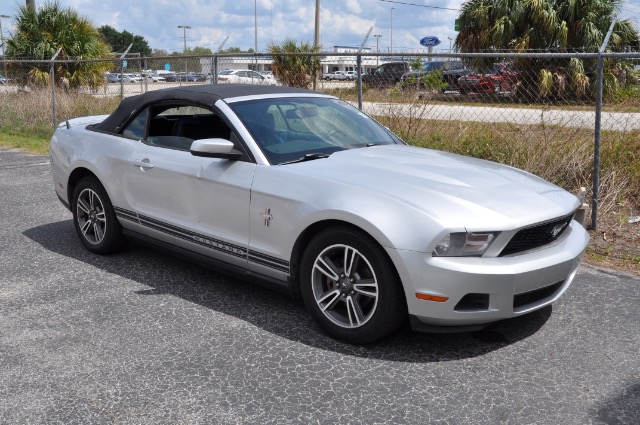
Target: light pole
(391,38)
(377,36)
(4,63)
(316,41)
(255,23)
(184,31)
(450,40)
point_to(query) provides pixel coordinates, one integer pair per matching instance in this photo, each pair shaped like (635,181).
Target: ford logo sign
(430,41)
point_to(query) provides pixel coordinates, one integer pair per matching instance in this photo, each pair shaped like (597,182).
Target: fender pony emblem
(267,216)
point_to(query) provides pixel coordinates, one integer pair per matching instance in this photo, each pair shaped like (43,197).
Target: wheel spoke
(350,259)
(334,295)
(82,206)
(367,287)
(98,232)
(354,311)
(85,227)
(101,217)
(327,269)
(92,197)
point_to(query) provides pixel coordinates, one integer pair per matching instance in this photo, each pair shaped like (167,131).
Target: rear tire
(350,287)
(94,218)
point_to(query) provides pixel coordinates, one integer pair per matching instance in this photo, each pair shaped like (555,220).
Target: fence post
(214,71)
(146,76)
(53,88)
(598,131)
(122,71)
(359,83)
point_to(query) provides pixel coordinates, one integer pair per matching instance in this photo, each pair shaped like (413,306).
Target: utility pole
(391,39)
(316,40)
(4,50)
(377,36)
(316,35)
(184,29)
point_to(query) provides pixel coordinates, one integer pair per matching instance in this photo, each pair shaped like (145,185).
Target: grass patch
(627,100)
(26,119)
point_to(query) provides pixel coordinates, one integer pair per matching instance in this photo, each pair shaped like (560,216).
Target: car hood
(451,189)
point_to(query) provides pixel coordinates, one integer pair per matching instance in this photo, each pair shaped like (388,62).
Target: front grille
(537,236)
(534,296)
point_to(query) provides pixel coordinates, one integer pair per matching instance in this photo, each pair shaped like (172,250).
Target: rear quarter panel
(104,155)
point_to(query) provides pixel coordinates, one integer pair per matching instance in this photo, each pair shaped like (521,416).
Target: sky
(342,22)
(401,24)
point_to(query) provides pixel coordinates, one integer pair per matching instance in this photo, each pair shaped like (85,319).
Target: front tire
(94,218)
(350,287)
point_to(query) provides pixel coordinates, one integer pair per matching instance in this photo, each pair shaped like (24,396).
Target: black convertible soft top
(207,95)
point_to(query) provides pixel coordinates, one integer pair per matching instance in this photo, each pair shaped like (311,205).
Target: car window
(136,128)
(176,126)
(286,129)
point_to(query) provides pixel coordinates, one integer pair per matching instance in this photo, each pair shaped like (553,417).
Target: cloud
(343,22)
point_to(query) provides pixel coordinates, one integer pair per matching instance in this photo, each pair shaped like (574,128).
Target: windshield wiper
(307,157)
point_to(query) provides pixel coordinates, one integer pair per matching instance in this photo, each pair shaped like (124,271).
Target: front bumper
(481,290)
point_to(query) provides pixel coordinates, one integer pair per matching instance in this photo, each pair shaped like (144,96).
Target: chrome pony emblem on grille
(557,229)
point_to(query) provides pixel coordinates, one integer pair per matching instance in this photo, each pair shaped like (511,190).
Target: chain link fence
(553,114)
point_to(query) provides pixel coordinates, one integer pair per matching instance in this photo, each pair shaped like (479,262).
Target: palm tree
(39,35)
(547,25)
(291,68)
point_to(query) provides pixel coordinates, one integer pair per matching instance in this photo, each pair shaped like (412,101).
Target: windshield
(287,129)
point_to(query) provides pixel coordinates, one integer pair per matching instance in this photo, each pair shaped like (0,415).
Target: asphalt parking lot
(144,338)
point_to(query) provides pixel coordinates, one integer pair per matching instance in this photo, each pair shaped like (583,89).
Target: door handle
(142,164)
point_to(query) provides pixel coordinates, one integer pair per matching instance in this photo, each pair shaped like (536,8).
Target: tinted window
(136,128)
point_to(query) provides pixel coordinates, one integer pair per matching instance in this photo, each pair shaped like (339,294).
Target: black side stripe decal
(214,244)
(126,214)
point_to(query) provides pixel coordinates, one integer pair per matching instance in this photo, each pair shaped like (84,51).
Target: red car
(500,80)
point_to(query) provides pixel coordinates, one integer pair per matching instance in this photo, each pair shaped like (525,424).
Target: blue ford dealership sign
(430,41)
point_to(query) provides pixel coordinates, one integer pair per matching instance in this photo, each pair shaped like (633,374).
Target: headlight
(463,244)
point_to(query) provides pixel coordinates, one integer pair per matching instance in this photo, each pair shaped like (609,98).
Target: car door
(199,204)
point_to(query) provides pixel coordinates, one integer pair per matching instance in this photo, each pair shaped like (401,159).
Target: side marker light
(429,297)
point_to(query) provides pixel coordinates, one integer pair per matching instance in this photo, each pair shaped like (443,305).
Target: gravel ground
(144,338)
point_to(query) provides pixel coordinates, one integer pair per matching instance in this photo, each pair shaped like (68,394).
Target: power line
(420,5)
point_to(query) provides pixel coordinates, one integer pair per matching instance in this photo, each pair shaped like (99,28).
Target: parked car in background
(112,78)
(154,78)
(3,79)
(131,78)
(244,76)
(450,72)
(337,75)
(501,79)
(305,193)
(386,75)
(351,75)
(267,74)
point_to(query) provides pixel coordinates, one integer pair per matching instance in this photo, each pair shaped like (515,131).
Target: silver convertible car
(308,194)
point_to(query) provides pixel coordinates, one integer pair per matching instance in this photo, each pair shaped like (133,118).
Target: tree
(39,35)
(291,68)
(119,41)
(199,51)
(235,50)
(546,25)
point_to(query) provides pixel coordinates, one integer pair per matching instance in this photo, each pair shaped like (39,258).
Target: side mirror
(214,148)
